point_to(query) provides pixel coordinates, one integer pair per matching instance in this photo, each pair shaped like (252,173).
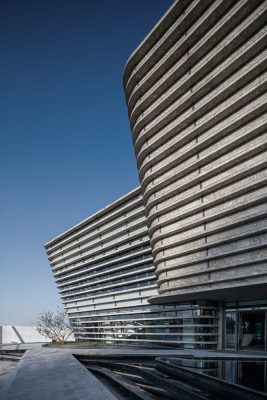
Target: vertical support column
(220,326)
(265,335)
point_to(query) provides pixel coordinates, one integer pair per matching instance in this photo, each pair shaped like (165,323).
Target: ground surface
(46,373)
(6,368)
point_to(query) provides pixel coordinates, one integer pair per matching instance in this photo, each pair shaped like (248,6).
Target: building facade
(104,272)
(196,95)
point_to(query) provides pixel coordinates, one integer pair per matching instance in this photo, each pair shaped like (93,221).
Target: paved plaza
(50,373)
(46,374)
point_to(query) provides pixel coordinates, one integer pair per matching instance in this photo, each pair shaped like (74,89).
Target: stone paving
(52,373)
(120,352)
(45,374)
(6,368)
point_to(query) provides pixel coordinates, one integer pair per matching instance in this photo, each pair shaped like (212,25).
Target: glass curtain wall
(245,328)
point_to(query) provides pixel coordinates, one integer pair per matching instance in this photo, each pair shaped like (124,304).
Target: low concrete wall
(20,334)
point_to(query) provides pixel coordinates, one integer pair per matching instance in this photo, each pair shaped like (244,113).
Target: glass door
(245,330)
(251,335)
(231,330)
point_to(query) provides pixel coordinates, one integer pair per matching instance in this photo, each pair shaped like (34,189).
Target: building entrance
(245,330)
(252,330)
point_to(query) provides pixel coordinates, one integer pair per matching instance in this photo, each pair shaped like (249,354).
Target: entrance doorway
(252,330)
(245,330)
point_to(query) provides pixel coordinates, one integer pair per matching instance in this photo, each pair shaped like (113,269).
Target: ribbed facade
(104,272)
(196,95)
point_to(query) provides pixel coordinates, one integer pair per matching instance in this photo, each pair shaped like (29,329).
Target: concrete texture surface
(49,373)
(10,334)
(46,374)
(6,368)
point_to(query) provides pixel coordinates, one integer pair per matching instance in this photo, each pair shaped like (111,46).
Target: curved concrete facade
(104,272)
(196,95)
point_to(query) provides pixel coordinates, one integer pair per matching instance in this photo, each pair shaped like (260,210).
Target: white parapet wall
(10,334)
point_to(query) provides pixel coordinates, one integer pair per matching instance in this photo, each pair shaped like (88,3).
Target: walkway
(46,374)
(139,352)
(51,373)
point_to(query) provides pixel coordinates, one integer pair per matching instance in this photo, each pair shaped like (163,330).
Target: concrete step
(6,357)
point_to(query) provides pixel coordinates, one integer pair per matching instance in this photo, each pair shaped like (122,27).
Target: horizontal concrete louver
(196,94)
(104,271)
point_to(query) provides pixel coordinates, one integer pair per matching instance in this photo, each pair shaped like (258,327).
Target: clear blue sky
(65,148)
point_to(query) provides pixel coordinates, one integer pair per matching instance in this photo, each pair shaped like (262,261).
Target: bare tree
(54,326)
